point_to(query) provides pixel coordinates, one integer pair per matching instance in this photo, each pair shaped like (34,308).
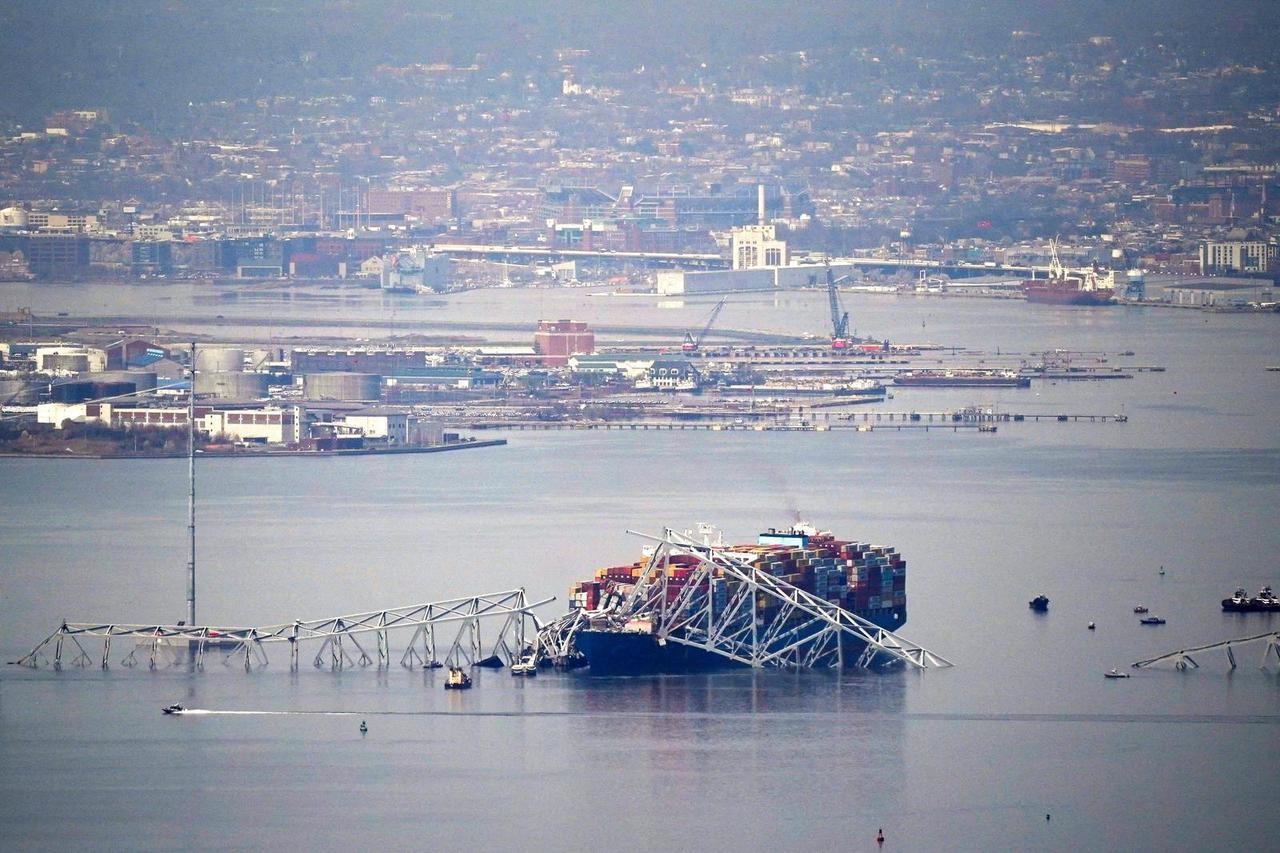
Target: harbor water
(969,758)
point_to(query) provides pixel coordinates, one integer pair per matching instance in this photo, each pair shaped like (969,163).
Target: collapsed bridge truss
(457,620)
(730,607)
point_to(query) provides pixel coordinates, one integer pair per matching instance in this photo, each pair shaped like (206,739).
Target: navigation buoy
(1046,817)
(879,836)
(364,727)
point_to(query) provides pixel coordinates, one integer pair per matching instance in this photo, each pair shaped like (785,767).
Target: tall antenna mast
(191,493)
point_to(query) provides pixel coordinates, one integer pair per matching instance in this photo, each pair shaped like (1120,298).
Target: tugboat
(1039,604)
(175,708)
(1264,602)
(457,680)
(1151,620)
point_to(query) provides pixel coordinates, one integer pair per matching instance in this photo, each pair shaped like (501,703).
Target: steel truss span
(731,608)
(452,626)
(1182,659)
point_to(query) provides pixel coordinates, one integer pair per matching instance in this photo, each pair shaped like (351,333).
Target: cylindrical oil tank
(232,386)
(69,361)
(219,360)
(143,380)
(343,386)
(17,392)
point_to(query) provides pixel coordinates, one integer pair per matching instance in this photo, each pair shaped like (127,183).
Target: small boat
(1140,609)
(1151,620)
(1115,673)
(1039,604)
(175,708)
(457,680)
(1092,626)
(526,665)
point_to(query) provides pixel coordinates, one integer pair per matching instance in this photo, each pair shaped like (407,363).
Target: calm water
(968,758)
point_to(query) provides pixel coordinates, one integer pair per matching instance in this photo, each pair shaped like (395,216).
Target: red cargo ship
(1092,286)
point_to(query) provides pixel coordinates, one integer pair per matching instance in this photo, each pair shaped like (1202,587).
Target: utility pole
(191,492)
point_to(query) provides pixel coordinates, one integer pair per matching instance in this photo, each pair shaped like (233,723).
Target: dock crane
(839,317)
(691,343)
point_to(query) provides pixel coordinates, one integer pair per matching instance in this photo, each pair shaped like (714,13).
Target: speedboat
(524,667)
(175,708)
(457,680)
(1040,603)
(1140,609)
(1151,620)
(1115,673)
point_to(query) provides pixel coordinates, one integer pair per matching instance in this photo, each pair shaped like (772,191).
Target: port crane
(691,344)
(839,317)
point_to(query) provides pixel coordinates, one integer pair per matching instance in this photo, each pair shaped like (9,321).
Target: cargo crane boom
(839,317)
(691,344)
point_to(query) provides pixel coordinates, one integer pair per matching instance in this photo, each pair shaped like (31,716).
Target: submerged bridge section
(730,607)
(452,627)
(1182,659)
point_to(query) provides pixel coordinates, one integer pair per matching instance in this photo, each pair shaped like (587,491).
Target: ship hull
(633,653)
(1066,295)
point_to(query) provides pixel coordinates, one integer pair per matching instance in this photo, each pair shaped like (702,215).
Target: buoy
(1162,570)
(364,728)
(880,836)
(1046,817)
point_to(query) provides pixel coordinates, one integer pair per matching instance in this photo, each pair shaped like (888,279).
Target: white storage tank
(362,387)
(219,360)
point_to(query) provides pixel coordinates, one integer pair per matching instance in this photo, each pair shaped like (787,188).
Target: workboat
(1151,620)
(457,680)
(1039,604)
(1140,609)
(526,666)
(173,709)
(1115,673)
(1264,602)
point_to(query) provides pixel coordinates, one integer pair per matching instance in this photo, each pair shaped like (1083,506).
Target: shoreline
(274,454)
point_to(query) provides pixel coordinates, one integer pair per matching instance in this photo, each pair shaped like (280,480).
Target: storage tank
(342,386)
(72,362)
(18,393)
(143,380)
(13,217)
(219,360)
(232,385)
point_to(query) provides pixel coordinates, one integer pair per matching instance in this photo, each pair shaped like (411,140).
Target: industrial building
(417,269)
(762,278)
(556,340)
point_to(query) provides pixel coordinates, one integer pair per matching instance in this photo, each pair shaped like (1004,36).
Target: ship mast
(191,491)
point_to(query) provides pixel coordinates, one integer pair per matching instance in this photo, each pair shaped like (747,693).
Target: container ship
(1092,286)
(865,580)
(963,379)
